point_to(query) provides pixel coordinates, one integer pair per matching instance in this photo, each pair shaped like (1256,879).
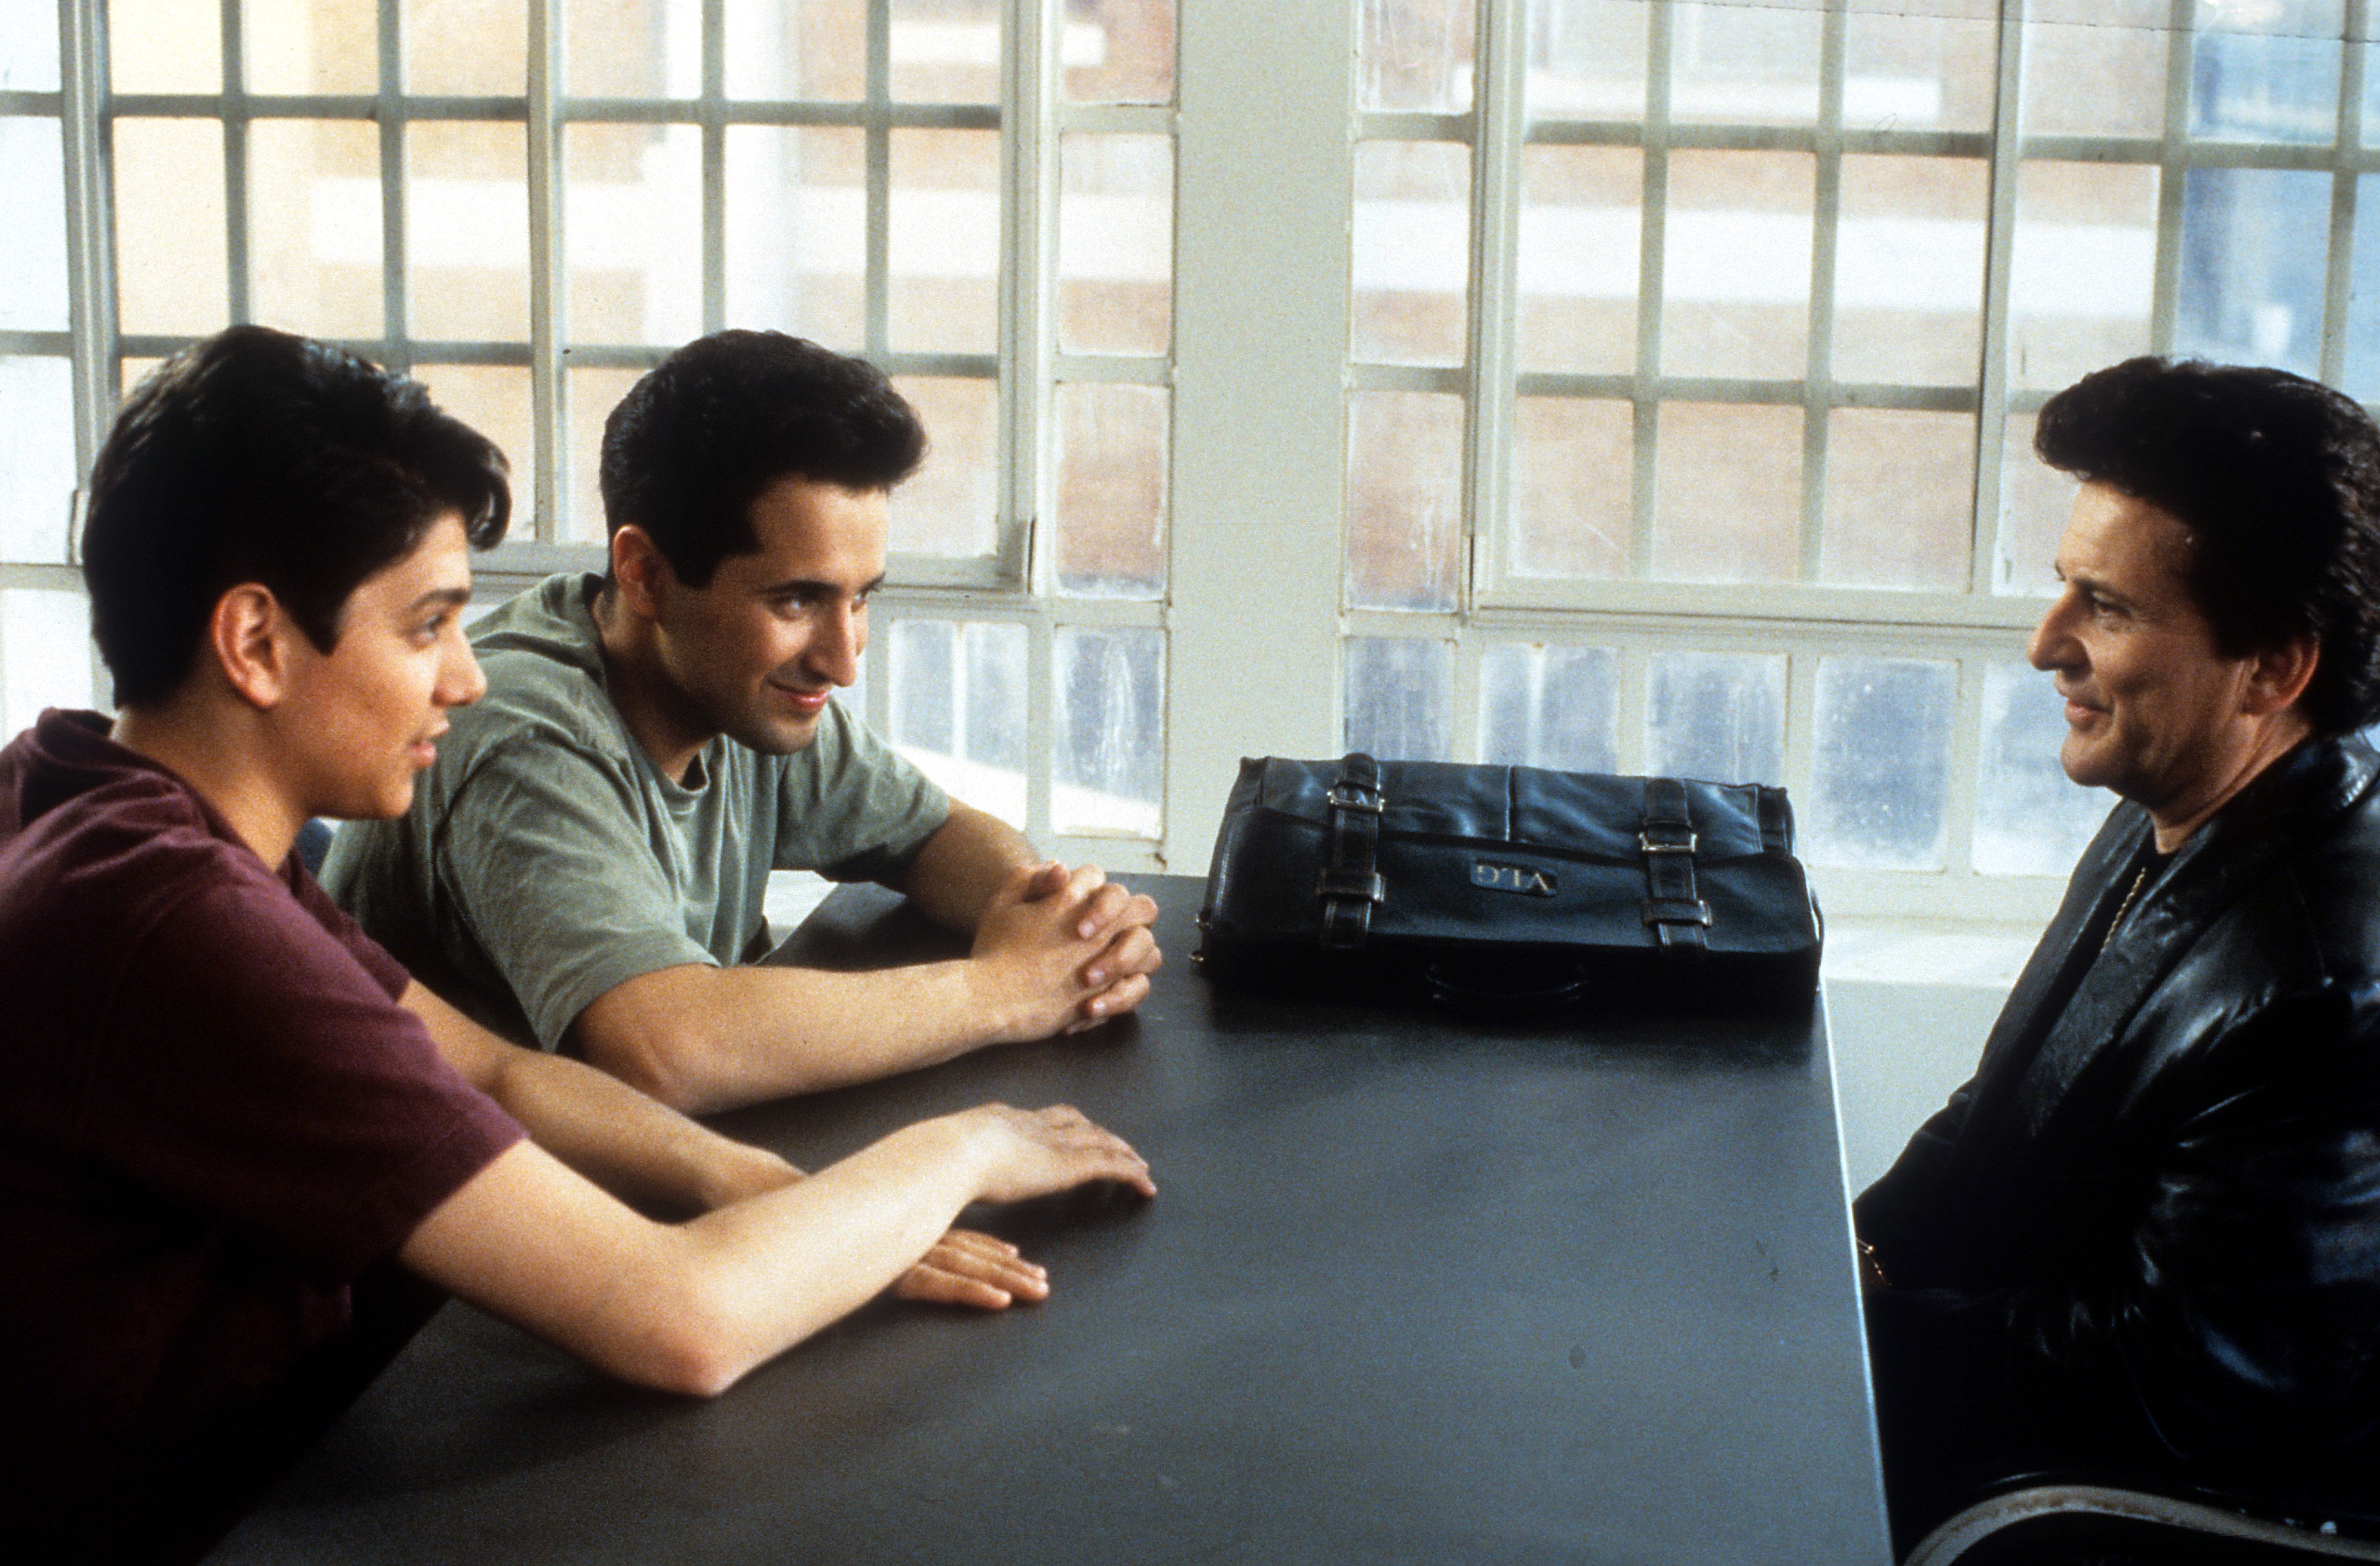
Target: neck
(657,715)
(2176,819)
(204,749)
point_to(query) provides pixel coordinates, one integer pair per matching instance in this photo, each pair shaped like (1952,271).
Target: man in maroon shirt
(231,1125)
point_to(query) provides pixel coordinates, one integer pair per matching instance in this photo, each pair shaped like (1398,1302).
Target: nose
(841,637)
(2053,645)
(460,680)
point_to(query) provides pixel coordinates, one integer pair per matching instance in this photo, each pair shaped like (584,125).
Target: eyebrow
(811,585)
(446,597)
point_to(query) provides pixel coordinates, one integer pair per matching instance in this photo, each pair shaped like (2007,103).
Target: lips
(808,703)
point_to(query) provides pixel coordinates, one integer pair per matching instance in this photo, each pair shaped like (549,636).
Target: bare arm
(954,874)
(691,1307)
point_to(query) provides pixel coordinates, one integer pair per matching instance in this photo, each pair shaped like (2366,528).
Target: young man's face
(757,651)
(362,719)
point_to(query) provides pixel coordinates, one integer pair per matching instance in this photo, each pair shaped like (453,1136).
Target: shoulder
(546,685)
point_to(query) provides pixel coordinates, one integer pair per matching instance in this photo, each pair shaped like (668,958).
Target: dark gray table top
(1415,1289)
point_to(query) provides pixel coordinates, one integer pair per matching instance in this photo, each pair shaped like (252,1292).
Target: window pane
(1736,270)
(1912,68)
(1586,58)
(163,45)
(1118,52)
(466,232)
(945,241)
(1728,496)
(946,50)
(2095,67)
(1717,716)
(1742,64)
(1900,491)
(1115,244)
(1411,251)
(2031,819)
(311,45)
(1909,270)
(1110,772)
(632,230)
(797,48)
(2361,378)
(958,709)
(797,232)
(1549,706)
(1572,489)
(171,276)
(593,394)
(29,49)
(2254,244)
(1882,763)
(467,47)
(44,654)
(1582,221)
(2036,500)
(632,48)
(37,457)
(951,508)
(2267,72)
(1405,499)
(2084,267)
(1111,506)
(1414,54)
(1400,699)
(314,226)
(495,400)
(33,243)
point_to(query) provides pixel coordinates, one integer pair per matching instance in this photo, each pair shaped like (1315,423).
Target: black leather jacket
(2153,1216)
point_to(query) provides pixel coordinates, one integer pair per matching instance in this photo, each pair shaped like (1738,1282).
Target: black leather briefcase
(1507,886)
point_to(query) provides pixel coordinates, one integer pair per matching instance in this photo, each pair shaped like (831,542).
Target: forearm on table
(954,874)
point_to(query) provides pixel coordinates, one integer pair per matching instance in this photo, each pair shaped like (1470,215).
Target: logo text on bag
(1511,877)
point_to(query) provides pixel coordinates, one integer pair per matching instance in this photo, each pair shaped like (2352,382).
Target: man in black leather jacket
(2143,1244)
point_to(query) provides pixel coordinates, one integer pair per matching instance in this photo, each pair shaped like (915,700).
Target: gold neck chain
(2124,907)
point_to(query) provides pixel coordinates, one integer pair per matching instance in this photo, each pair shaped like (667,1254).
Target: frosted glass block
(1910,67)
(1728,494)
(1736,64)
(1735,277)
(2253,249)
(1909,270)
(2036,502)
(1881,769)
(163,45)
(1400,697)
(28,48)
(1117,52)
(946,50)
(1581,227)
(467,47)
(797,232)
(1405,499)
(632,232)
(1900,499)
(952,506)
(171,275)
(958,710)
(1572,489)
(1410,252)
(1109,774)
(495,400)
(311,45)
(2082,277)
(1716,716)
(314,226)
(2267,72)
(33,242)
(2095,67)
(2361,378)
(945,243)
(797,48)
(37,458)
(1586,58)
(1414,54)
(1115,244)
(2031,819)
(44,654)
(1110,502)
(467,231)
(1549,706)
(632,48)
(592,395)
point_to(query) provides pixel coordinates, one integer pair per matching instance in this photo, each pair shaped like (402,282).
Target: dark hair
(2277,479)
(257,456)
(697,441)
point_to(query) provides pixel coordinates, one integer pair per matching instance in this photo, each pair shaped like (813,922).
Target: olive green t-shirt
(546,859)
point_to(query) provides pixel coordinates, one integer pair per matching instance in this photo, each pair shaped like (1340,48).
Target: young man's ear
(250,638)
(639,573)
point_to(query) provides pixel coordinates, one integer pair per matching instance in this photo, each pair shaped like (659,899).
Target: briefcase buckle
(1341,798)
(1336,882)
(1645,845)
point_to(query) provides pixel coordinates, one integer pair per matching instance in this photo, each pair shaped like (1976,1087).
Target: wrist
(738,1172)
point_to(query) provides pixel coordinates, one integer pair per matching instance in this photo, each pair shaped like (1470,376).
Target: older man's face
(2153,710)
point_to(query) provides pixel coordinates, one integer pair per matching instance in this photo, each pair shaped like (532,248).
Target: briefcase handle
(1525,998)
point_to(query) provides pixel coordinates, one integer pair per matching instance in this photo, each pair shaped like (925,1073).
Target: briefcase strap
(1351,882)
(1679,919)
